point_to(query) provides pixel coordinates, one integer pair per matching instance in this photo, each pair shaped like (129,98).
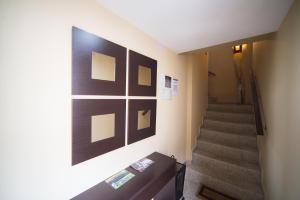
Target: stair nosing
(254,132)
(225,111)
(236,123)
(226,146)
(230,121)
(228,106)
(226,132)
(230,113)
(236,185)
(199,152)
(231,104)
(228,135)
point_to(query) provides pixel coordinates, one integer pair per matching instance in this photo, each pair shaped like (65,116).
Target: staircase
(226,156)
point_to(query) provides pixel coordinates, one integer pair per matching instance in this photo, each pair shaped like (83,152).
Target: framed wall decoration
(141,119)
(142,75)
(98,65)
(99,68)
(98,126)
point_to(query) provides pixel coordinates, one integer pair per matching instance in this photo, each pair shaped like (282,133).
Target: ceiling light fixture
(237,49)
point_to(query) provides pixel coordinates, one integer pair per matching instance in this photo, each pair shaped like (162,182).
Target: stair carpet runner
(226,156)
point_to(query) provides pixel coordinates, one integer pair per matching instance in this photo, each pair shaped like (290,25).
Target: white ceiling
(185,25)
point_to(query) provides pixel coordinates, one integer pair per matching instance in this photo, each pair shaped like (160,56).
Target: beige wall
(35,104)
(246,70)
(197,98)
(223,86)
(277,67)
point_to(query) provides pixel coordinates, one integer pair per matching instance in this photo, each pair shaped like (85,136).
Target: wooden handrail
(211,73)
(258,118)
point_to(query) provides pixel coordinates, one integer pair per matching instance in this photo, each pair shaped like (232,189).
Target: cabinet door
(167,192)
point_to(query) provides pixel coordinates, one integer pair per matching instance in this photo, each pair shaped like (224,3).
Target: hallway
(89,88)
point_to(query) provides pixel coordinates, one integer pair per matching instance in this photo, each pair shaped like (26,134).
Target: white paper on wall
(165,87)
(175,85)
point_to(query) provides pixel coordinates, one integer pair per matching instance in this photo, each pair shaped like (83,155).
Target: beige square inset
(102,127)
(144,76)
(103,67)
(143,119)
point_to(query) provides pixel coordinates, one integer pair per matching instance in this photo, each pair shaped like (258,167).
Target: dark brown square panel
(142,119)
(98,126)
(98,65)
(142,75)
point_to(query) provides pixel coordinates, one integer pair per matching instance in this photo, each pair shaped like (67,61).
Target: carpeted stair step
(241,155)
(231,117)
(191,191)
(232,108)
(226,156)
(238,128)
(230,170)
(229,139)
(238,189)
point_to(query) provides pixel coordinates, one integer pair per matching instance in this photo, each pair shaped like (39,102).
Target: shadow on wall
(232,72)
(197,97)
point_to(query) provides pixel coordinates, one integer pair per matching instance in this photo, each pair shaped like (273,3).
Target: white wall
(277,67)
(35,104)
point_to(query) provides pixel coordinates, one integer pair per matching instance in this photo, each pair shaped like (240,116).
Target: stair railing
(258,118)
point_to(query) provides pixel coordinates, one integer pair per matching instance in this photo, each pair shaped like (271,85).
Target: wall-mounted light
(237,49)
